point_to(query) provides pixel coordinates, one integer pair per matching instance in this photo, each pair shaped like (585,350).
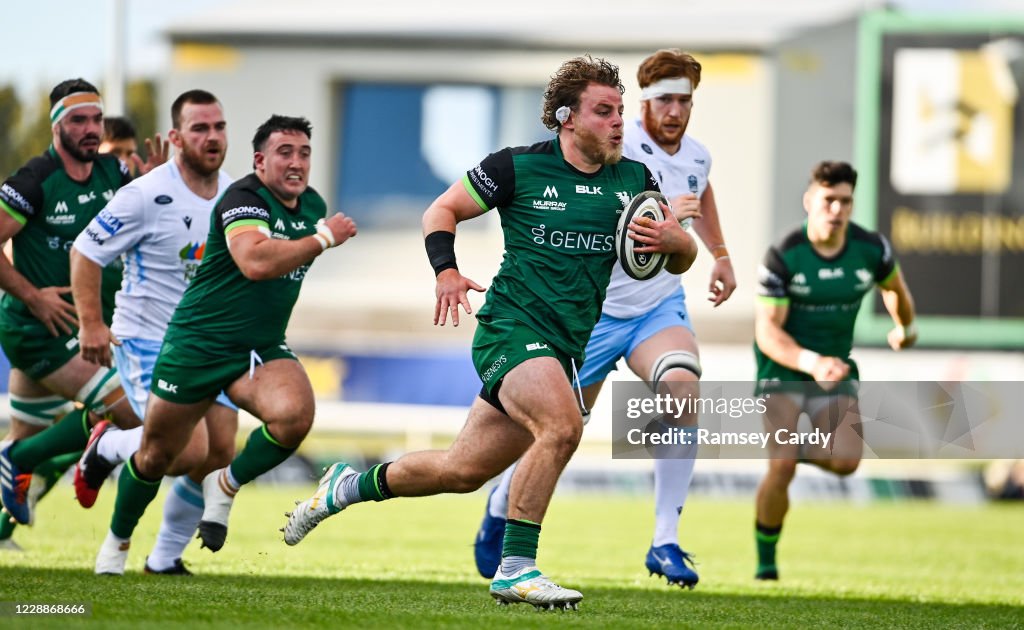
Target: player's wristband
(910,330)
(441,250)
(320,239)
(720,248)
(325,233)
(806,360)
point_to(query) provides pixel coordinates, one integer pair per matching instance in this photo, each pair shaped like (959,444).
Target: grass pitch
(408,564)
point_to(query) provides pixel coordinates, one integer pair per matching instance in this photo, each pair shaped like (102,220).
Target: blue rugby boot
(14,487)
(670,561)
(487,546)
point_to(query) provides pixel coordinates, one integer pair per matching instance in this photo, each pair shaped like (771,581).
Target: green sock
(7,526)
(521,537)
(767,538)
(261,453)
(69,435)
(134,494)
(373,484)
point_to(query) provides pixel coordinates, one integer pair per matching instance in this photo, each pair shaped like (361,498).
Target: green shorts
(773,377)
(31,348)
(501,344)
(184,374)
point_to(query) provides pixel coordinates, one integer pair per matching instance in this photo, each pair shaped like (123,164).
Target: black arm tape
(441,250)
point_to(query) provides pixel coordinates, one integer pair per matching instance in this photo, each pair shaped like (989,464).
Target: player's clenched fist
(337,229)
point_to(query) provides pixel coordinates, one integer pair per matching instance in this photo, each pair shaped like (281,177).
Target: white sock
(117,446)
(182,511)
(231,479)
(114,541)
(497,506)
(671,485)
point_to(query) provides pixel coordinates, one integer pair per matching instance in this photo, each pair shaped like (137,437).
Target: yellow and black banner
(947,170)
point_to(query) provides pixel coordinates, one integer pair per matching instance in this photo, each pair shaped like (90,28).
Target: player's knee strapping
(102,392)
(676,359)
(40,411)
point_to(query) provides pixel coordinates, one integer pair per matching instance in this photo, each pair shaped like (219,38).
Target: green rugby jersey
(559,229)
(824,294)
(221,308)
(53,208)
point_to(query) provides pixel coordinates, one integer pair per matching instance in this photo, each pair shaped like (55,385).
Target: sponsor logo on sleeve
(95,236)
(245,212)
(13,197)
(106,220)
(479,176)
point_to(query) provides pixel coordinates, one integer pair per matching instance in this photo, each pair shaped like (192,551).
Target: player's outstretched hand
(342,227)
(56,313)
(451,291)
(157,151)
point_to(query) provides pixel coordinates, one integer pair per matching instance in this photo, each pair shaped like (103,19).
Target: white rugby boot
(308,514)
(530,586)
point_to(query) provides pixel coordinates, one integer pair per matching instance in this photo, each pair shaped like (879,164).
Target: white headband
(74,101)
(666,86)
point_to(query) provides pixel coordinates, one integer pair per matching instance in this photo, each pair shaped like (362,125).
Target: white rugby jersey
(159,226)
(686,171)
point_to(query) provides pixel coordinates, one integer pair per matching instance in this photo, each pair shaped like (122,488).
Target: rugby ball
(639,266)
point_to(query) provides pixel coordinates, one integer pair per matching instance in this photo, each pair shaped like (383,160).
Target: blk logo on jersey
(163,200)
(188,222)
(647,148)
